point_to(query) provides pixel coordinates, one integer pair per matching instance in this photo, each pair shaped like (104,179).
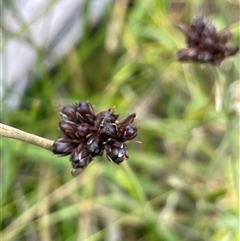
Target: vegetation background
(181,183)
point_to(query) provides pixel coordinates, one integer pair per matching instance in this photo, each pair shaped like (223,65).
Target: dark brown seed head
(95,146)
(80,157)
(128,132)
(69,128)
(64,146)
(83,130)
(107,130)
(127,128)
(116,151)
(69,113)
(85,112)
(211,32)
(193,39)
(220,48)
(198,26)
(107,116)
(129,119)
(86,135)
(204,44)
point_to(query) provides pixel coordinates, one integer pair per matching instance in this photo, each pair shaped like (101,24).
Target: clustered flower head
(86,134)
(204,44)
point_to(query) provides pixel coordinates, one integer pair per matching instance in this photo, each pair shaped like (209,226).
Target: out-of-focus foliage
(180,183)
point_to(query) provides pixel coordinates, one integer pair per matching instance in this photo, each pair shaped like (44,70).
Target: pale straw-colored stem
(11,132)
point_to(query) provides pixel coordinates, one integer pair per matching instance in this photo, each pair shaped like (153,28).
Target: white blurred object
(54,25)
(234,97)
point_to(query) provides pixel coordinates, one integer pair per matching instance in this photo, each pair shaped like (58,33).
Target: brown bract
(86,134)
(204,44)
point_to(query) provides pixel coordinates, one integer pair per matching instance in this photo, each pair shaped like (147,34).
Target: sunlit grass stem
(11,132)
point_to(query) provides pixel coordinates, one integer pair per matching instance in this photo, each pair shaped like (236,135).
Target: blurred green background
(181,183)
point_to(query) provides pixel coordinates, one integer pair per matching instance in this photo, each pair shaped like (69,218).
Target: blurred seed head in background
(205,44)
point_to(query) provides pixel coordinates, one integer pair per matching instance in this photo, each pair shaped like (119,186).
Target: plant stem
(11,132)
(232,134)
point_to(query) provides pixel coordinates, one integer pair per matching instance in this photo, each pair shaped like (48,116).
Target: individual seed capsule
(116,151)
(64,146)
